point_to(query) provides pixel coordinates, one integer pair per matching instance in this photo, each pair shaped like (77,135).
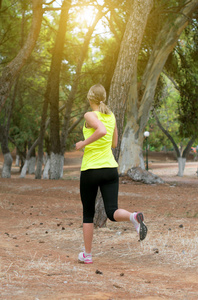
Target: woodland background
(51,52)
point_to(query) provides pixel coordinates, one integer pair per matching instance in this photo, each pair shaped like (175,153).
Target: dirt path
(41,235)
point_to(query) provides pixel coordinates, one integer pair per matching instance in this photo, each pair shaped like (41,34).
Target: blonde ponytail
(104,109)
(97,95)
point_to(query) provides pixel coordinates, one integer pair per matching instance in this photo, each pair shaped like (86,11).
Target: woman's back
(99,154)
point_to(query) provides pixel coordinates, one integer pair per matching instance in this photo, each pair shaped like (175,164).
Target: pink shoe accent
(86,259)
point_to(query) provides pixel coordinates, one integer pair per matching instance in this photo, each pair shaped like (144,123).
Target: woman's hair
(97,95)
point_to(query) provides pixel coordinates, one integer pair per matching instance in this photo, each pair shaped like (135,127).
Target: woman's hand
(80,145)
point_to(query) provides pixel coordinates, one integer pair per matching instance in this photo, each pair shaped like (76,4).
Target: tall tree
(10,72)
(140,96)
(125,90)
(52,93)
(181,69)
(70,95)
(10,76)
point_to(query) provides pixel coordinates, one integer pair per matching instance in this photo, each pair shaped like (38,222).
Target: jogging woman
(99,169)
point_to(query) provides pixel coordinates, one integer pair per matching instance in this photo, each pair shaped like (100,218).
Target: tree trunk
(10,72)
(24,169)
(181,164)
(32,161)
(39,166)
(180,158)
(6,171)
(100,216)
(55,165)
(32,164)
(46,169)
(42,134)
(17,161)
(131,145)
(28,156)
(7,165)
(131,151)
(61,166)
(55,156)
(127,61)
(142,101)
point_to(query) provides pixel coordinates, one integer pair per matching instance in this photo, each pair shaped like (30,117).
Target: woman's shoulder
(90,114)
(98,113)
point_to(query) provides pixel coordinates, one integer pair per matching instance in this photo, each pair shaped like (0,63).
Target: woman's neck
(94,107)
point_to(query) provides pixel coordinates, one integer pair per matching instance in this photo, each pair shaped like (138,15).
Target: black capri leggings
(105,178)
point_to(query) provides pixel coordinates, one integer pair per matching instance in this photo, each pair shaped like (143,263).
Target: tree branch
(50,2)
(188,147)
(172,80)
(167,134)
(77,121)
(13,142)
(165,43)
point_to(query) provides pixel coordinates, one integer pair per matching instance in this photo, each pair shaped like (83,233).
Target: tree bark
(10,72)
(127,61)
(27,159)
(17,160)
(131,146)
(6,171)
(4,130)
(42,134)
(24,169)
(142,101)
(53,93)
(181,166)
(100,216)
(46,169)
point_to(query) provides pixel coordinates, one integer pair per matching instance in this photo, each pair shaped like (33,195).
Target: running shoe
(137,220)
(86,259)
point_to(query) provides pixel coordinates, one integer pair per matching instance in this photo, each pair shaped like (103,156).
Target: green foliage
(162,11)
(98,66)
(14,20)
(27,98)
(177,109)
(166,108)
(183,66)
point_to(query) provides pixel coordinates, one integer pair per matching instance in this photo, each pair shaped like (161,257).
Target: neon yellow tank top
(98,154)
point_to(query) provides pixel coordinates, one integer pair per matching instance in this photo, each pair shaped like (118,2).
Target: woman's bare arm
(93,122)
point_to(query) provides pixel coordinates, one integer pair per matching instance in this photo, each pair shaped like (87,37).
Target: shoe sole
(143,228)
(83,262)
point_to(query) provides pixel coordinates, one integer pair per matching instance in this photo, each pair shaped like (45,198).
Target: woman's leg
(109,190)
(88,236)
(121,215)
(88,192)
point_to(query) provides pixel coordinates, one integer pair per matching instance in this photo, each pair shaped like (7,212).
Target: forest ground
(41,236)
